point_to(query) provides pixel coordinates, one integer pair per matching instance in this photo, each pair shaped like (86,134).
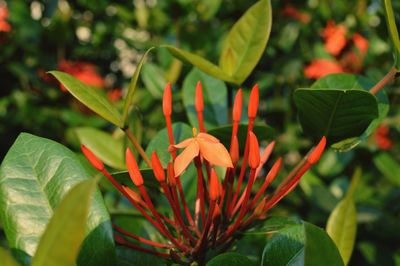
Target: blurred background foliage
(101,43)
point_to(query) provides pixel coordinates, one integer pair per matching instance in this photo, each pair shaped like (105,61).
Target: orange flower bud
(199,102)
(214,186)
(317,151)
(157,167)
(133,168)
(94,161)
(254,151)
(237,106)
(167,100)
(234,150)
(253,102)
(260,207)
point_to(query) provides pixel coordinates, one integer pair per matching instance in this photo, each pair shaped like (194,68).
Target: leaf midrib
(333,114)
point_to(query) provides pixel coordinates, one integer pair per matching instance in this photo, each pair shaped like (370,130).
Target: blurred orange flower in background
(4,25)
(85,72)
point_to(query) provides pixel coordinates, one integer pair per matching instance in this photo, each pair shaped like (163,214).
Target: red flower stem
(215,229)
(265,156)
(203,240)
(389,77)
(244,165)
(244,208)
(168,122)
(177,216)
(200,189)
(148,201)
(201,121)
(184,203)
(123,242)
(141,239)
(137,146)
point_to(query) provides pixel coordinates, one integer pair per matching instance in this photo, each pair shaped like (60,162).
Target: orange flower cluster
(382,138)
(291,11)
(223,206)
(4,25)
(348,54)
(85,72)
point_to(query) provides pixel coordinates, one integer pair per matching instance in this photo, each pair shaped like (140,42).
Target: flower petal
(208,137)
(183,160)
(183,144)
(215,153)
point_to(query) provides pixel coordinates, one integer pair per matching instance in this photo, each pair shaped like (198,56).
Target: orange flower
(321,67)
(85,72)
(335,38)
(4,25)
(204,144)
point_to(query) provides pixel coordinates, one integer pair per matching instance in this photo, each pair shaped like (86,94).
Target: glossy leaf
(65,231)
(224,133)
(303,244)
(388,166)
(108,148)
(246,41)
(35,176)
(230,258)
(132,87)
(199,62)
(393,32)
(342,222)
(336,107)
(215,95)
(7,259)
(153,79)
(91,97)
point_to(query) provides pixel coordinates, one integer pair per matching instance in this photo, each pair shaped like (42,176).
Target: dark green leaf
(132,87)
(230,258)
(263,132)
(199,62)
(108,148)
(130,257)
(388,166)
(246,41)
(93,98)
(303,244)
(66,228)
(35,176)
(154,80)
(7,259)
(215,99)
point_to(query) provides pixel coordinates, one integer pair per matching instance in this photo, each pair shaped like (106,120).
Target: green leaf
(108,148)
(91,97)
(7,259)
(303,244)
(336,107)
(230,258)
(201,63)
(388,167)
(129,257)
(132,87)
(393,32)
(215,99)
(66,228)
(246,41)
(342,222)
(346,81)
(35,176)
(154,80)
(224,133)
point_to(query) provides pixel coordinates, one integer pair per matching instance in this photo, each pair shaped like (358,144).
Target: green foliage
(7,259)
(35,176)
(230,258)
(393,32)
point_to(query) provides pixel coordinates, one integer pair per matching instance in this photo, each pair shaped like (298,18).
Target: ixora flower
(223,207)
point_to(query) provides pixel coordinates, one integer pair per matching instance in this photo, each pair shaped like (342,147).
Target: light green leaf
(154,80)
(7,259)
(246,41)
(35,176)
(132,87)
(393,32)
(201,63)
(91,97)
(388,166)
(65,232)
(215,99)
(109,149)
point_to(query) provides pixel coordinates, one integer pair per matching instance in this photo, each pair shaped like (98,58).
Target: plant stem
(137,146)
(390,76)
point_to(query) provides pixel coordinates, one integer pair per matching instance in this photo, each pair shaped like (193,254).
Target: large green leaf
(342,222)
(7,259)
(93,98)
(66,228)
(201,63)
(346,81)
(108,148)
(388,166)
(132,87)
(336,106)
(303,244)
(215,99)
(393,32)
(230,258)
(153,78)
(246,41)
(130,257)
(35,176)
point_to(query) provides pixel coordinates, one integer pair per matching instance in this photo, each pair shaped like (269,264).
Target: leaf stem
(137,146)
(389,77)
